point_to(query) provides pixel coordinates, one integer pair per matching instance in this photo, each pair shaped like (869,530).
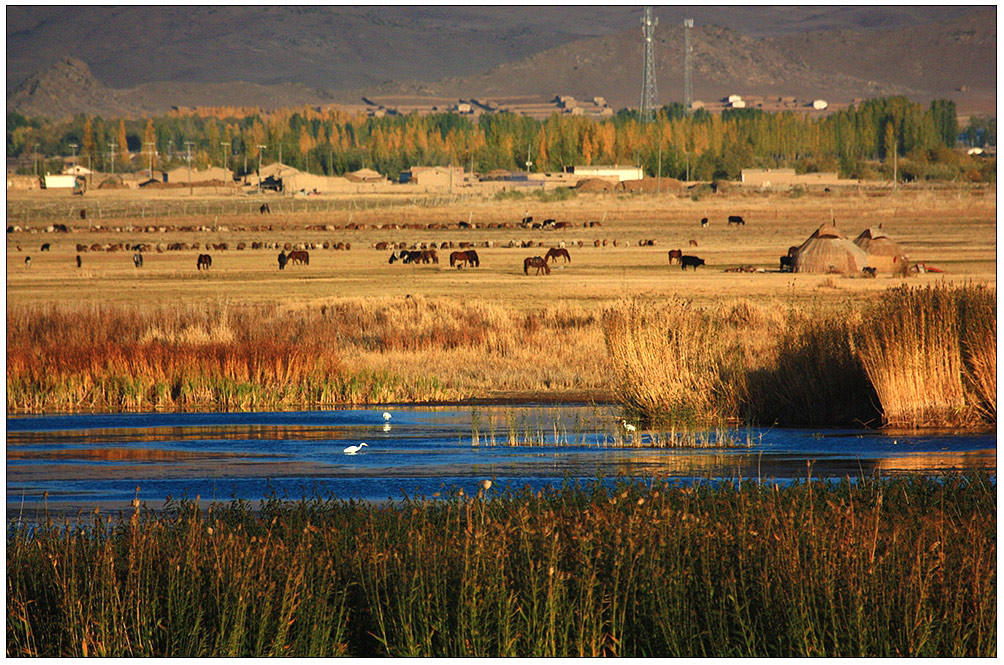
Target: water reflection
(79,461)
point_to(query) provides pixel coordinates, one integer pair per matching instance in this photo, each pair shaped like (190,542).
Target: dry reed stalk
(911,348)
(669,362)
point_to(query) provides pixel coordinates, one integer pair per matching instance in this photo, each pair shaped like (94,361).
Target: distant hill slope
(299,57)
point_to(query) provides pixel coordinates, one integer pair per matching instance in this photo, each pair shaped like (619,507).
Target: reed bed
(872,568)
(919,357)
(340,352)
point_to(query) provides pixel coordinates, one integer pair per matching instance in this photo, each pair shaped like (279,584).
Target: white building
(621,173)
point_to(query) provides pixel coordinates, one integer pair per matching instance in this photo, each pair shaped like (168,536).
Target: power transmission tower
(648,94)
(688,83)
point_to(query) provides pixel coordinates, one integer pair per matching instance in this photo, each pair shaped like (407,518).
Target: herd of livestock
(418,253)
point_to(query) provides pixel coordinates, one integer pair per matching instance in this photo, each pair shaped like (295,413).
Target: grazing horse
(45,247)
(535,262)
(429,256)
(203,262)
(737,220)
(298,256)
(555,252)
(674,256)
(470,257)
(282,260)
(137,260)
(79,262)
(264,209)
(27,262)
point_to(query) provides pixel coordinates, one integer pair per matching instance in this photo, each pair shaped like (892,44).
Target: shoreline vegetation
(865,568)
(913,357)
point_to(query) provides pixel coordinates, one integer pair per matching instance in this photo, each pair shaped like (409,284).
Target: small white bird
(628,426)
(386,415)
(352,450)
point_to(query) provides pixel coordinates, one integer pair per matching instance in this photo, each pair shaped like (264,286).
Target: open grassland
(876,568)
(351,328)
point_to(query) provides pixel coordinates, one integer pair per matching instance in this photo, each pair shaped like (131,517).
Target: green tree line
(856,142)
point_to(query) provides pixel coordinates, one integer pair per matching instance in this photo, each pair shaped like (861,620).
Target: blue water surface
(82,461)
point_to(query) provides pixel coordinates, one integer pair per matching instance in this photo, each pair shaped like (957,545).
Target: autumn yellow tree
(88,146)
(122,149)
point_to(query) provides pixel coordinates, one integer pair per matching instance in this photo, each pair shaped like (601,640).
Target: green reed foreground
(873,568)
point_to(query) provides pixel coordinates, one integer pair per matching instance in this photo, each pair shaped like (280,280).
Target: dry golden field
(951,229)
(352,328)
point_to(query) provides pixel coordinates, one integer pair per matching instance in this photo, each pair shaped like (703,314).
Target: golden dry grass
(489,331)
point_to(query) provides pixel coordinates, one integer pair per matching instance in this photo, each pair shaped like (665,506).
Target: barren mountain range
(134,60)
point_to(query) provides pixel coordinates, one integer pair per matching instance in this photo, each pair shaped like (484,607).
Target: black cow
(687,260)
(704,221)
(737,220)
(44,247)
(203,262)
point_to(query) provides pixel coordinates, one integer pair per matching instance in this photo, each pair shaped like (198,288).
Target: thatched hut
(827,250)
(884,253)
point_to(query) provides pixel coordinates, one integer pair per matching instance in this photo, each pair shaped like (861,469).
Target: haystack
(884,253)
(828,251)
(364,175)
(594,185)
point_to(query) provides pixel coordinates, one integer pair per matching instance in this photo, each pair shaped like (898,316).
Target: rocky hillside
(292,56)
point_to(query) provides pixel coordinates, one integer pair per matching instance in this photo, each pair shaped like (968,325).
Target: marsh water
(78,462)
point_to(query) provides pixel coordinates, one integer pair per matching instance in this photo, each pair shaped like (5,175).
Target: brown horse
(555,252)
(470,257)
(203,262)
(298,256)
(535,262)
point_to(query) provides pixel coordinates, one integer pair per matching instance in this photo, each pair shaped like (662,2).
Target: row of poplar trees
(700,145)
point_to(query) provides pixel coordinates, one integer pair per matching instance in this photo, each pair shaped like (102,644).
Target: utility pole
(223,144)
(150,144)
(648,94)
(260,149)
(34,156)
(112,144)
(188,149)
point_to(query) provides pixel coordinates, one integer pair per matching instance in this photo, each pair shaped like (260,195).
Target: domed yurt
(884,253)
(828,251)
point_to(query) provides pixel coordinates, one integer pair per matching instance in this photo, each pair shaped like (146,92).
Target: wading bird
(628,426)
(352,450)
(386,415)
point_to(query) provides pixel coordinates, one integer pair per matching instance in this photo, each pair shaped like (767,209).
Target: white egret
(386,415)
(352,450)
(628,426)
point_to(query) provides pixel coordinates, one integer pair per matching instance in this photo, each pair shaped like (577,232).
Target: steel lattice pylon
(648,93)
(688,84)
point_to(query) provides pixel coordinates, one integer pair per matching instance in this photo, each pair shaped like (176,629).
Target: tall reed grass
(919,357)
(341,352)
(903,567)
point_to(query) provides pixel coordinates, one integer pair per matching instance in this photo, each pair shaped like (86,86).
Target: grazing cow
(79,262)
(298,256)
(868,271)
(137,259)
(737,220)
(27,262)
(282,260)
(203,262)
(527,220)
(687,260)
(535,262)
(83,214)
(44,247)
(704,221)
(693,243)
(264,209)
(674,256)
